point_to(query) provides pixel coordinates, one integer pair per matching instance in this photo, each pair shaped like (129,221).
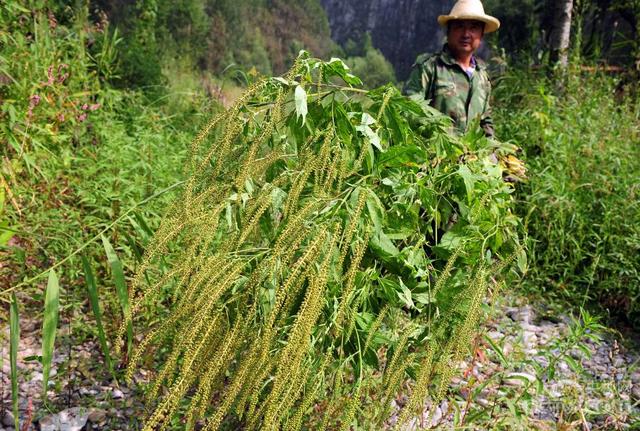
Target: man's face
(464,36)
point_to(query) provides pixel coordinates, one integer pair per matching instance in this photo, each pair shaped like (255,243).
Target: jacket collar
(447,58)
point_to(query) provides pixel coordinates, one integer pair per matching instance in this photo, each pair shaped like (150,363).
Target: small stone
(8,419)
(600,369)
(73,419)
(436,417)
(518,379)
(635,392)
(482,402)
(524,314)
(543,361)
(507,349)
(554,392)
(97,416)
(117,394)
(563,367)
(635,377)
(495,335)
(619,363)
(594,404)
(530,339)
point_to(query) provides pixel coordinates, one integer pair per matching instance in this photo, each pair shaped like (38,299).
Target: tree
(560,33)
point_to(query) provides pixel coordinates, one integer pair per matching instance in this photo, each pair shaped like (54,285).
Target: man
(455,81)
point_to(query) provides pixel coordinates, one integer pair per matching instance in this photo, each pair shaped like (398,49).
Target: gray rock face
(401,29)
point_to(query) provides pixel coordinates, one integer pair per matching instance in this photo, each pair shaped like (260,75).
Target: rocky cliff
(401,29)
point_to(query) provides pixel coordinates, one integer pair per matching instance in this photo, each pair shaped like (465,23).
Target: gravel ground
(604,393)
(595,388)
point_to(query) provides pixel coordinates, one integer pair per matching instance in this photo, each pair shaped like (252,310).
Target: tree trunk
(561,33)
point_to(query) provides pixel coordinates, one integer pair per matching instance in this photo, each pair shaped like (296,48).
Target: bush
(581,206)
(338,242)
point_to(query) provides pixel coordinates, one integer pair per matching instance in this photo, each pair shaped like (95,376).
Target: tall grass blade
(92,291)
(14,338)
(117,272)
(49,327)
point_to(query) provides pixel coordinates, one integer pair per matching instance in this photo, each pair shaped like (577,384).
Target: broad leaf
(49,327)
(14,340)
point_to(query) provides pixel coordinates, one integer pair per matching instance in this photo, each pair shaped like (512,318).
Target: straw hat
(470,9)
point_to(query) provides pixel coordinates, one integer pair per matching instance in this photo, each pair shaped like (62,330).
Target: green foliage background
(97,116)
(580,207)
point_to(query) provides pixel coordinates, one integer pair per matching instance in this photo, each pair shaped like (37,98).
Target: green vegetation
(580,207)
(369,63)
(306,255)
(321,223)
(76,152)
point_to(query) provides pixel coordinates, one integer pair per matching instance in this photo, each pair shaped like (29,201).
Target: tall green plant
(49,327)
(14,341)
(320,223)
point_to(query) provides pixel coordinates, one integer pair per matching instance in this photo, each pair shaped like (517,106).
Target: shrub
(373,67)
(324,239)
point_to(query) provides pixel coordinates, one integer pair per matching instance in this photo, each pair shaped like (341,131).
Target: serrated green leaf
(497,349)
(383,246)
(469,180)
(375,210)
(573,364)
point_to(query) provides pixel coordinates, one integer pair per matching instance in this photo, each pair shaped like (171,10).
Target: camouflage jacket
(440,79)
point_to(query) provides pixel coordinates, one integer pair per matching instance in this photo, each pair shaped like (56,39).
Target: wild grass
(581,206)
(79,158)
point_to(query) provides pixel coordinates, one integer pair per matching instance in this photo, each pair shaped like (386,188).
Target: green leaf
(6,233)
(92,291)
(451,240)
(14,340)
(497,349)
(468,179)
(368,132)
(521,261)
(117,272)
(403,155)
(585,349)
(573,364)
(405,295)
(551,371)
(49,327)
(375,210)
(383,246)
(301,103)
